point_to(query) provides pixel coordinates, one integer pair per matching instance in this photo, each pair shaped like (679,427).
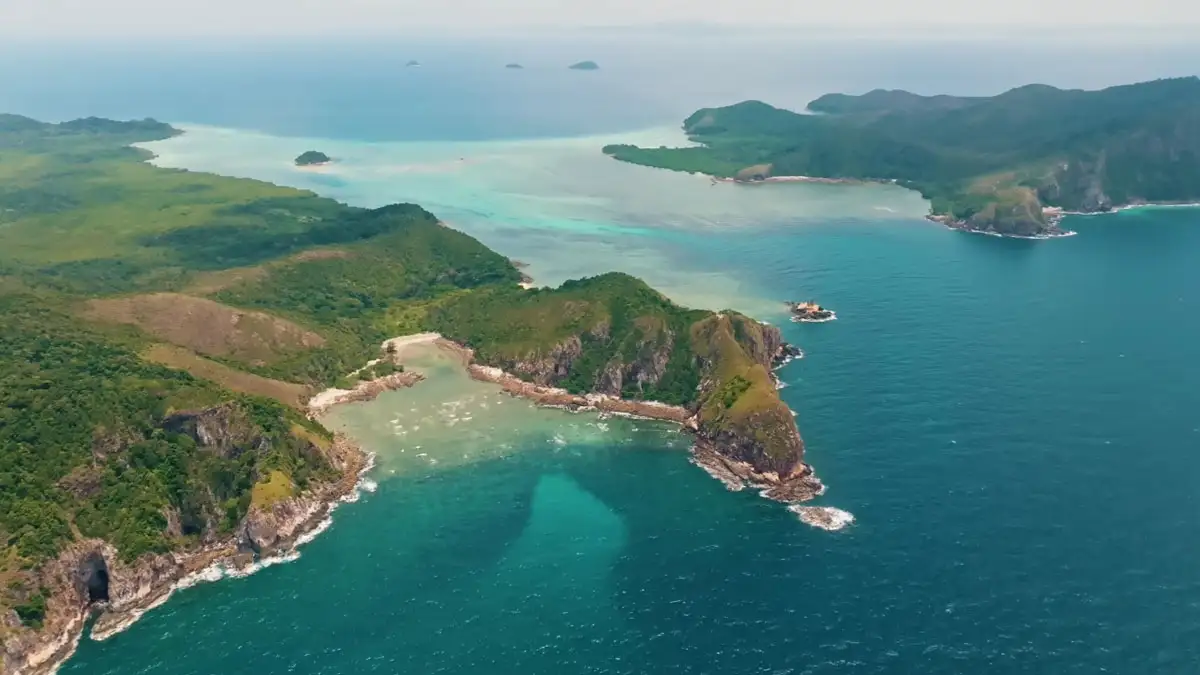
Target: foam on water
(824,517)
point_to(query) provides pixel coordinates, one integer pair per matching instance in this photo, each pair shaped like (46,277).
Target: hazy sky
(164,18)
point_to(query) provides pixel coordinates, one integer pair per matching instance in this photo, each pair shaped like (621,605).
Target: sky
(34,19)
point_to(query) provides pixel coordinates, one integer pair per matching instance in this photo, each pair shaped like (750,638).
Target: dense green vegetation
(619,321)
(103,257)
(311,157)
(92,440)
(990,163)
(347,298)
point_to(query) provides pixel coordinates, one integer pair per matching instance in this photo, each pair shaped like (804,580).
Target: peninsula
(1009,164)
(585,65)
(312,158)
(159,386)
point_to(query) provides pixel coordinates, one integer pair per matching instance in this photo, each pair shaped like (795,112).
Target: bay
(1014,424)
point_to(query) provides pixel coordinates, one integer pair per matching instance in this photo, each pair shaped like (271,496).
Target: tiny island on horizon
(313,158)
(584,65)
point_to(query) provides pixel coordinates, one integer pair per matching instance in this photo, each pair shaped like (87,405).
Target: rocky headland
(744,434)
(90,578)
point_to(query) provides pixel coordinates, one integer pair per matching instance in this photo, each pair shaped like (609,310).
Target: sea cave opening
(94,573)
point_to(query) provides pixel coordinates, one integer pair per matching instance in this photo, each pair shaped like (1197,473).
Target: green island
(585,65)
(1009,164)
(312,158)
(164,330)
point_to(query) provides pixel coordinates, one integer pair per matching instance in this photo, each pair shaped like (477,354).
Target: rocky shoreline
(553,397)
(92,567)
(1055,216)
(367,390)
(735,474)
(1053,231)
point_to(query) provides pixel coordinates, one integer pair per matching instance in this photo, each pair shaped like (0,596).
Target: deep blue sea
(1014,424)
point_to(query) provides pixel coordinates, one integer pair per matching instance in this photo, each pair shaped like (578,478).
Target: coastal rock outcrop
(92,577)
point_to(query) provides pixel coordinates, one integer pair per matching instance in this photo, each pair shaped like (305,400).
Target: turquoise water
(1014,424)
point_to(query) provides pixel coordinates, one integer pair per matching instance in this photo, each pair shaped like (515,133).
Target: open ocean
(1014,424)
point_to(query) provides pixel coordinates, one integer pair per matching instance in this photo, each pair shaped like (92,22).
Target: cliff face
(546,368)
(640,361)
(1158,162)
(644,365)
(1078,185)
(91,576)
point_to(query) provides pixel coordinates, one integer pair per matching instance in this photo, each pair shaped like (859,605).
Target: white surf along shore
(226,566)
(226,569)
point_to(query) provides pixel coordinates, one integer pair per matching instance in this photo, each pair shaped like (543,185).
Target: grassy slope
(1074,149)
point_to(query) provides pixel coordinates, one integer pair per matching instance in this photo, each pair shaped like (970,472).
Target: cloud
(100,18)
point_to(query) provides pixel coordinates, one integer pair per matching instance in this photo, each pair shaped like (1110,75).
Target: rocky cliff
(745,430)
(91,577)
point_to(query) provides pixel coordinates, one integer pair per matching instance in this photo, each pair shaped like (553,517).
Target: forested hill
(985,163)
(146,307)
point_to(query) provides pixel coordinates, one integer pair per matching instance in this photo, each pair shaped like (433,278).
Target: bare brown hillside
(206,327)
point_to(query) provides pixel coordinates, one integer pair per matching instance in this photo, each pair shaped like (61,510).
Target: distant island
(514,66)
(312,158)
(585,65)
(1009,165)
(412,64)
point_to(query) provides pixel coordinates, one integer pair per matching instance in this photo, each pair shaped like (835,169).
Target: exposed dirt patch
(207,283)
(205,326)
(287,393)
(319,254)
